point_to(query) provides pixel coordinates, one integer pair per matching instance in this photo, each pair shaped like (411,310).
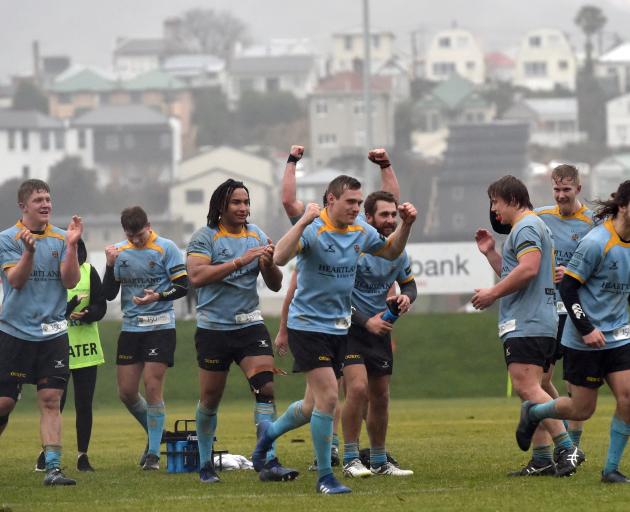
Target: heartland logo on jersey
(357,248)
(330,248)
(153,352)
(224,252)
(613,266)
(366,269)
(577,311)
(59,364)
(124,263)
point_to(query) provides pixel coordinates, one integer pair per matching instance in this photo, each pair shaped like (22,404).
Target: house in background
(618,122)
(615,64)
(545,61)
(348,50)
(477,155)
(500,67)
(31,143)
(337,117)
(200,175)
(455,51)
(80,90)
(136,56)
(454,101)
(553,121)
(294,73)
(133,145)
(196,70)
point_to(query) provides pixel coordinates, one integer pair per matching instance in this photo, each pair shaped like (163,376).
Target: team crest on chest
(357,248)
(55,254)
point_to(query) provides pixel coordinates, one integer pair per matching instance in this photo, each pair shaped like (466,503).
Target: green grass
(460,450)
(459,444)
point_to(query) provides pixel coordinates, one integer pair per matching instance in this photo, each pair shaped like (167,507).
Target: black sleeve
(569,287)
(359,318)
(110,287)
(97,307)
(177,291)
(72,303)
(409,289)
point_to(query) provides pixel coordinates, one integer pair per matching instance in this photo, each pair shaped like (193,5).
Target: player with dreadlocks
(224,259)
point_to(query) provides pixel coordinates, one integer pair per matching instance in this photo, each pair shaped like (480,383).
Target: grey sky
(86,29)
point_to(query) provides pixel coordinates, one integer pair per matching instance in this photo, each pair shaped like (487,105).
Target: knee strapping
(258,382)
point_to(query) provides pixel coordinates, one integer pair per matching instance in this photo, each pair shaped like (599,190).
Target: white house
(31,143)
(618,122)
(545,60)
(616,64)
(133,57)
(199,176)
(553,121)
(348,50)
(455,51)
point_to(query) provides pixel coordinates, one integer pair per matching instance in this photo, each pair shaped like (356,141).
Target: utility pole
(367,97)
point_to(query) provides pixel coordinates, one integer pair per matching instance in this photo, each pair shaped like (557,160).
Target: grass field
(460,450)
(460,444)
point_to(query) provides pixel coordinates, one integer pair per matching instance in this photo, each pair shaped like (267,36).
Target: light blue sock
(291,419)
(619,432)
(350,452)
(378,456)
(563,441)
(139,411)
(264,411)
(52,452)
(543,411)
(206,422)
(155,424)
(321,432)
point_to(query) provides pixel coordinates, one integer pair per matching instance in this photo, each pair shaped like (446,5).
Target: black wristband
(292,159)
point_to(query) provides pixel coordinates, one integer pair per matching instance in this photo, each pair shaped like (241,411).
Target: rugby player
(39,263)
(368,362)
(595,289)
(528,320)
(294,209)
(150,271)
(224,260)
(328,244)
(569,220)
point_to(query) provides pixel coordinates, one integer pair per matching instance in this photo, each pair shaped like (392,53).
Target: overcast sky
(87,29)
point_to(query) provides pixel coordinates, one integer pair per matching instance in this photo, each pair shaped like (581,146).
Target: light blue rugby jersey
(530,311)
(601,263)
(233,302)
(567,231)
(326,270)
(375,277)
(153,267)
(37,311)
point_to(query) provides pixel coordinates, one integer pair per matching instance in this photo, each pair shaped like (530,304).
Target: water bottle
(392,313)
